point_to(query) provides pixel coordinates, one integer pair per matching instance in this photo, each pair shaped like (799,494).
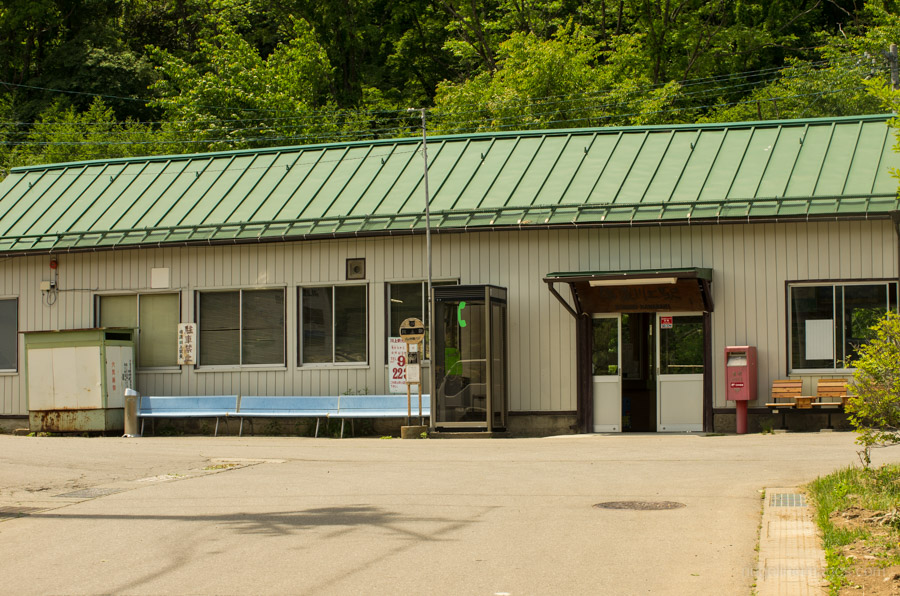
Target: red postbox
(740,380)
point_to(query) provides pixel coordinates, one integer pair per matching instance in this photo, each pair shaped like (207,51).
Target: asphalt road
(265,515)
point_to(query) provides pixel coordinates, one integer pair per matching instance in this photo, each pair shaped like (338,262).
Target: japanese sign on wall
(187,343)
(397,364)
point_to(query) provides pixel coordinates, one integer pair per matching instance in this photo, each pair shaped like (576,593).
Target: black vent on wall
(356,268)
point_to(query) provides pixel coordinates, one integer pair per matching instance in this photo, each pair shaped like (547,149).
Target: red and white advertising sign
(397,364)
(665,323)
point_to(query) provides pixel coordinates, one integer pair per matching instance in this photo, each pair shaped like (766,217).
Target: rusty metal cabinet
(76,379)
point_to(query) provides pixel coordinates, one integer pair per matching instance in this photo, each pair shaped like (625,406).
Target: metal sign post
(412,331)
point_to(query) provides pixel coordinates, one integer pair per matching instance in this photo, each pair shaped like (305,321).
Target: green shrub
(874,408)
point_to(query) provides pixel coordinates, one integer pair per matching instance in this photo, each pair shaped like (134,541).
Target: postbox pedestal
(740,381)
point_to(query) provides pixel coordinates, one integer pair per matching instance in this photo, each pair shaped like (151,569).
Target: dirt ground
(870,571)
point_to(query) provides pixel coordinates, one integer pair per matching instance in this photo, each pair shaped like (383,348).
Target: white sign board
(397,364)
(187,343)
(820,339)
(413,373)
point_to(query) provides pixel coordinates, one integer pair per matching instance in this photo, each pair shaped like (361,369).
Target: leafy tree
(62,134)
(874,408)
(565,81)
(229,95)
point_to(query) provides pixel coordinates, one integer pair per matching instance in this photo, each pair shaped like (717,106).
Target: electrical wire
(400,114)
(344,158)
(237,135)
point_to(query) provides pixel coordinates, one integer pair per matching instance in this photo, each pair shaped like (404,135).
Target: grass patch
(857,509)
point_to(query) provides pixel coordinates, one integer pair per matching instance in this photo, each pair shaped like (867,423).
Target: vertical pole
(430,322)
(419,384)
(408,397)
(892,59)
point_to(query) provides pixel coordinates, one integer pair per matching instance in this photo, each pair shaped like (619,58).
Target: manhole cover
(640,505)
(89,493)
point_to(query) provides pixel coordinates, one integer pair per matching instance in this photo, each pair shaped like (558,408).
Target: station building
(630,259)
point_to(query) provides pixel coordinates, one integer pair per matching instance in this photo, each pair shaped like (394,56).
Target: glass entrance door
(680,358)
(607,373)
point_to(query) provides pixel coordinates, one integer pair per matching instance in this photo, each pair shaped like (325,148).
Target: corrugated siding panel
(750,263)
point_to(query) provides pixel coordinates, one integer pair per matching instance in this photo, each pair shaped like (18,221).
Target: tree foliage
(874,409)
(195,75)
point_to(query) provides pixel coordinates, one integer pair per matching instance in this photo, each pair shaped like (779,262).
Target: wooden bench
(261,406)
(832,392)
(791,390)
(831,395)
(187,406)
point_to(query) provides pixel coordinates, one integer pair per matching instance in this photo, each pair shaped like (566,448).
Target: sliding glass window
(9,334)
(829,322)
(154,316)
(333,325)
(241,327)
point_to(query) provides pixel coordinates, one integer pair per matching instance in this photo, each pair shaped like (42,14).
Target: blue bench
(192,406)
(380,406)
(261,406)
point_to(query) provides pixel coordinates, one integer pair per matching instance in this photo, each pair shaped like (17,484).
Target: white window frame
(275,366)
(834,285)
(299,311)
(13,371)
(174,368)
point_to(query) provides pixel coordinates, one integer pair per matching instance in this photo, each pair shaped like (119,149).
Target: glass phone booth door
(470,358)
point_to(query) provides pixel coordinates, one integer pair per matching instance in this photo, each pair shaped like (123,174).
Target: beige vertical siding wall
(750,263)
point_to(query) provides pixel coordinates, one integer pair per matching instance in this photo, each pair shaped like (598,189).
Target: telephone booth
(469,368)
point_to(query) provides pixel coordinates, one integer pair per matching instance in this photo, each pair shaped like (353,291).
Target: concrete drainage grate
(640,505)
(787,500)
(89,493)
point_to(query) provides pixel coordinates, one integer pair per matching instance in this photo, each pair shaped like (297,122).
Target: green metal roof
(831,167)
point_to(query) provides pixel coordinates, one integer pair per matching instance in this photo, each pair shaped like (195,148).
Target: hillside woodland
(86,79)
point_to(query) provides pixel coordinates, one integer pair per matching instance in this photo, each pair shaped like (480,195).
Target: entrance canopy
(643,290)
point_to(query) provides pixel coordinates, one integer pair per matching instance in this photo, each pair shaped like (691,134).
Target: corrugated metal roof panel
(614,176)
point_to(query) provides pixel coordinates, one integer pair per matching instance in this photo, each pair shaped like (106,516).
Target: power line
(460,129)
(401,114)
(397,130)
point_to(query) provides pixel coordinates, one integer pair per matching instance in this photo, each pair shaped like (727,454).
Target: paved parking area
(264,515)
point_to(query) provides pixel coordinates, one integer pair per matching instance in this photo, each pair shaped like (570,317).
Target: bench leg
(142,426)
(241,431)
(342,427)
(317,428)
(216,433)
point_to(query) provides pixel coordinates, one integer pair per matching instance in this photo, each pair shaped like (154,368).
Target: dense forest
(85,79)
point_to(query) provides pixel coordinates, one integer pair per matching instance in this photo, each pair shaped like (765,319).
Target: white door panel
(679,357)
(607,373)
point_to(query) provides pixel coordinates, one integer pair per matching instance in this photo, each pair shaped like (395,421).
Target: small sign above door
(665,323)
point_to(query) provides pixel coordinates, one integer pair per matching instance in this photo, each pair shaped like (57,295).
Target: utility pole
(430,322)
